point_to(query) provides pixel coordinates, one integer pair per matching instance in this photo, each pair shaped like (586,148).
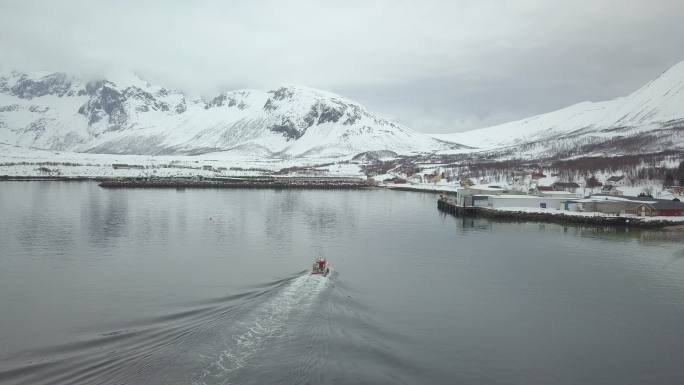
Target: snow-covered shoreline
(22,162)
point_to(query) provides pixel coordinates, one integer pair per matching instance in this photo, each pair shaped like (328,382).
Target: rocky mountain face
(129,116)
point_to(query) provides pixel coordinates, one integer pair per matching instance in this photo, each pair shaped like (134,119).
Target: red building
(668,208)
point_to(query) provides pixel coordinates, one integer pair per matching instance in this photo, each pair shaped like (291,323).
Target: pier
(448,205)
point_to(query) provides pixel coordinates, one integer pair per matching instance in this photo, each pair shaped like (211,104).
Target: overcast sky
(436,66)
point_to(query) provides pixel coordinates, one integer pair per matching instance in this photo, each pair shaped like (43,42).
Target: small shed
(565,186)
(610,190)
(616,180)
(644,210)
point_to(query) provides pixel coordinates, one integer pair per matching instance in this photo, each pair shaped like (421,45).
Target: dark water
(208,287)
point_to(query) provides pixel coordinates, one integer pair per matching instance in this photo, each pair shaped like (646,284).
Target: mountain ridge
(61,112)
(656,107)
(128,115)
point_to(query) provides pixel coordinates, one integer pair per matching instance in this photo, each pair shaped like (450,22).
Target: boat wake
(202,344)
(300,329)
(261,326)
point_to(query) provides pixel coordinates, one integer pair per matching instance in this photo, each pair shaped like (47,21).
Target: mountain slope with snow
(654,112)
(129,116)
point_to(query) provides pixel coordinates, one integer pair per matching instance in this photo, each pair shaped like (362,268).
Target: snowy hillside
(126,115)
(652,117)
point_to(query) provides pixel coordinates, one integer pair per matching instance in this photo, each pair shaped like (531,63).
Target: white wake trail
(261,326)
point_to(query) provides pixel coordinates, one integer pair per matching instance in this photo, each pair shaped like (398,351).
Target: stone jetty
(245,183)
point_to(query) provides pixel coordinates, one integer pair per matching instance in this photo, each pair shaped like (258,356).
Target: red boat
(320,267)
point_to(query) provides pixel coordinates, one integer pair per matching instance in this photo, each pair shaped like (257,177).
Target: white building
(464,196)
(616,180)
(522,201)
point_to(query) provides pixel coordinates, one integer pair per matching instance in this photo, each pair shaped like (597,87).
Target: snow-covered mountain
(127,115)
(650,119)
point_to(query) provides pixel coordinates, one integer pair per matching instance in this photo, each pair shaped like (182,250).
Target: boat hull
(323,272)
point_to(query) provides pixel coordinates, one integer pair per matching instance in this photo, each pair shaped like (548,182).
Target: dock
(448,205)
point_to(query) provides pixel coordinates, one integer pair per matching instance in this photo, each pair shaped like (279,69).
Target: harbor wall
(450,207)
(243,183)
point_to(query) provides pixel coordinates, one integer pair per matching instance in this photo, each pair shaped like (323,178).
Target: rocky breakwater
(260,182)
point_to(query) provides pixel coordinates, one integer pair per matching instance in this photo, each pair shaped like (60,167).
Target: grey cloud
(436,66)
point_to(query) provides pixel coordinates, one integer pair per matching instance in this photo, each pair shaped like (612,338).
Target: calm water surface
(209,287)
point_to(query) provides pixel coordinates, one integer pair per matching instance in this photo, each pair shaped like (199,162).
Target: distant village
(537,192)
(625,187)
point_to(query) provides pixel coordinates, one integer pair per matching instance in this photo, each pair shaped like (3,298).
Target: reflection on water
(209,287)
(106,221)
(620,234)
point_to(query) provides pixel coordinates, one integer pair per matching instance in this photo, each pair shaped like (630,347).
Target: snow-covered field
(18,161)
